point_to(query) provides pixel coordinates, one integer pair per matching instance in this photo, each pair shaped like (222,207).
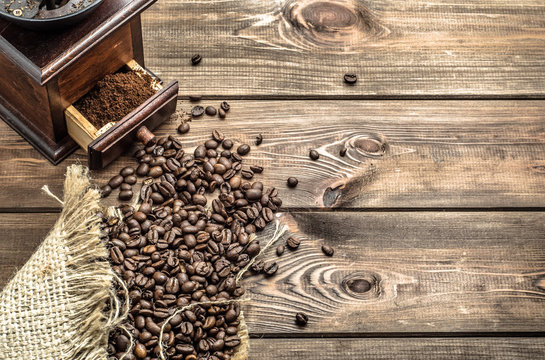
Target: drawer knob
(145,136)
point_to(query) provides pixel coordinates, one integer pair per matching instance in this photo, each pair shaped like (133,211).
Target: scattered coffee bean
(125,195)
(243,149)
(342,152)
(270,268)
(301,319)
(126,171)
(221,113)
(328,250)
(292,182)
(225,106)
(247,174)
(183,128)
(350,79)
(293,243)
(142,169)
(280,250)
(197,111)
(314,155)
(115,181)
(125,186)
(210,111)
(256,169)
(195,98)
(195,59)
(258,139)
(105,191)
(131,180)
(218,135)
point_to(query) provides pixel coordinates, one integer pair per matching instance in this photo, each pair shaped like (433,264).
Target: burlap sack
(61,303)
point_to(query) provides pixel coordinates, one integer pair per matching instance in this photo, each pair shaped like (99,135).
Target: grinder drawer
(105,144)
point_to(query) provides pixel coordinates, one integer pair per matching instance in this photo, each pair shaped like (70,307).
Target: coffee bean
(270,268)
(243,149)
(218,135)
(196,59)
(350,78)
(142,169)
(197,111)
(140,351)
(210,111)
(155,171)
(293,243)
(225,106)
(227,144)
(253,194)
(343,152)
(328,250)
(247,174)
(258,139)
(256,169)
(301,319)
(183,128)
(126,171)
(131,179)
(314,155)
(105,191)
(125,195)
(292,182)
(195,98)
(115,181)
(221,113)
(280,250)
(125,187)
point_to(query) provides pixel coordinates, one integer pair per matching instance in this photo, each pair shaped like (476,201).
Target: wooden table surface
(438,203)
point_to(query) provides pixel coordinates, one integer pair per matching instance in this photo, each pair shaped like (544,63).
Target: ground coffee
(115,96)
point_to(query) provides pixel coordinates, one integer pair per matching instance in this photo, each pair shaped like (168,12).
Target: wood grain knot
(338,24)
(540,169)
(361,285)
(373,146)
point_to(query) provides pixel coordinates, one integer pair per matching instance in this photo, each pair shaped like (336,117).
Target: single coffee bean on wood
(293,243)
(210,111)
(314,155)
(197,111)
(328,250)
(221,113)
(243,149)
(105,191)
(258,139)
(301,319)
(225,106)
(280,250)
(350,78)
(196,59)
(270,268)
(292,182)
(195,98)
(183,128)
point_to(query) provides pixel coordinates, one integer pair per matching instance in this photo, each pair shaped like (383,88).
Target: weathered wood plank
(429,272)
(302,48)
(436,154)
(398,348)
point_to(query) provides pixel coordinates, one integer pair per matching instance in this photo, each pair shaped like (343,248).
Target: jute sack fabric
(54,306)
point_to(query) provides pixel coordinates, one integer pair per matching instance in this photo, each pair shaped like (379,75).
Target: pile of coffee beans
(185,243)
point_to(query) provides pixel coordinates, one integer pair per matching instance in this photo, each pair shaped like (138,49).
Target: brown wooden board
(398,348)
(429,273)
(302,48)
(437,154)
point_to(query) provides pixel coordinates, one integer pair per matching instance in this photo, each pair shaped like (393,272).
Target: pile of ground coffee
(115,96)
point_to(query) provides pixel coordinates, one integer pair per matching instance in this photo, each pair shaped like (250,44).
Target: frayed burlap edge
(55,305)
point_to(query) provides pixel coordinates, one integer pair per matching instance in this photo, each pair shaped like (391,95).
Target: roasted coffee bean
(125,187)
(293,243)
(155,171)
(196,59)
(270,268)
(131,180)
(126,171)
(343,151)
(267,214)
(247,174)
(253,194)
(200,152)
(301,319)
(195,98)
(105,191)
(142,169)
(243,149)
(350,78)
(183,128)
(258,266)
(258,139)
(115,181)
(328,250)
(292,182)
(197,111)
(227,144)
(210,111)
(140,351)
(221,113)
(313,154)
(125,195)
(225,106)
(280,250)
(256,169)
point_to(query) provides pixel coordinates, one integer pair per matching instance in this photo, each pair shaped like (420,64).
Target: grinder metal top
(46,14)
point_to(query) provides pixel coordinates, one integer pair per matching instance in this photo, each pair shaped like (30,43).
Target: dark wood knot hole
(359,286)
(144,135)
(362,285)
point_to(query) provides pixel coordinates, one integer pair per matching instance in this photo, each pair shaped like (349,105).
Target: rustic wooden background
(438,204)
